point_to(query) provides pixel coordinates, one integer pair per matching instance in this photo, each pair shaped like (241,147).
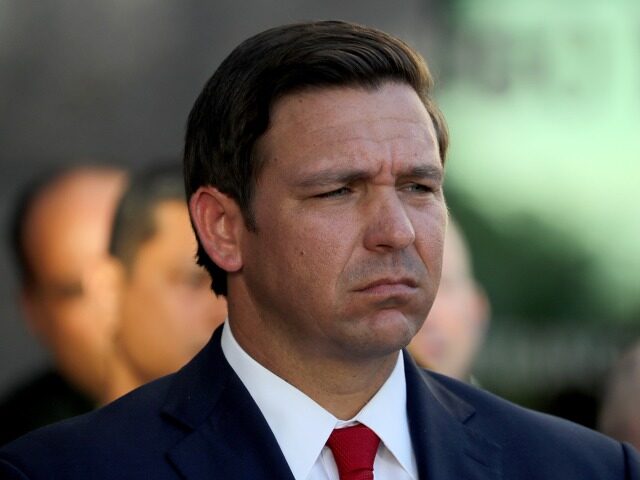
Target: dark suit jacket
(201,423)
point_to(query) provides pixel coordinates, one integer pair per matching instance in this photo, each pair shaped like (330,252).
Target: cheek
(174,310)
(74,327)
(310,247)
(147,328)
(143,306)
(430,232)
(188,308)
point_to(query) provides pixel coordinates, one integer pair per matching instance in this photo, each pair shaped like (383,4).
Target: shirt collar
(302,436)
(386,414)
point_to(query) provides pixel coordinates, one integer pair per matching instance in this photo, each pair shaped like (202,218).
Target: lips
(389,286)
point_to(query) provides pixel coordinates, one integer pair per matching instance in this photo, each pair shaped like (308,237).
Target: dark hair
(232,111)
(134,221)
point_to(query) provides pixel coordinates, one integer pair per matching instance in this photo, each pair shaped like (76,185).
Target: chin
(380,340)
(396,325)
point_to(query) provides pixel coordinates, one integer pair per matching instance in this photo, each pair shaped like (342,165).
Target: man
(455,328)
(313,165)
(165,309)
(619,414)
(60,233)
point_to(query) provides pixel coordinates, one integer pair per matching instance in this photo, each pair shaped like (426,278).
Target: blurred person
(620,411)
(60,232)
(165,310)
(455,328)
(314,162)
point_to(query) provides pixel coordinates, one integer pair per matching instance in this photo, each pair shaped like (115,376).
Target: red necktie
(354,449)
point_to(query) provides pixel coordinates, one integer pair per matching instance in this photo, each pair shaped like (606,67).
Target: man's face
(168,312)
(65,237)
(350,221)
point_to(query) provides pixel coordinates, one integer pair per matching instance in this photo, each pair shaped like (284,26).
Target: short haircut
(232,111)
(134,222)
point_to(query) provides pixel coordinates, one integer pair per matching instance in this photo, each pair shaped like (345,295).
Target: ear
(219,225)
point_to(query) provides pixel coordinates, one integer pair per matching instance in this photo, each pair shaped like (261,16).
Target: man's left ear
(219,224)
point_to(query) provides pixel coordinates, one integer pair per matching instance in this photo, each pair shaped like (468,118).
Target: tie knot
(354,449)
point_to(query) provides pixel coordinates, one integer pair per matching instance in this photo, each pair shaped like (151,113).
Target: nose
(389,227)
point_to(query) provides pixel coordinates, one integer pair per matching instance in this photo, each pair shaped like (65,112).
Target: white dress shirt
(302,427)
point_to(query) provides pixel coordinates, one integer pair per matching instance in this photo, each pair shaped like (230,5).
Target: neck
(341,386)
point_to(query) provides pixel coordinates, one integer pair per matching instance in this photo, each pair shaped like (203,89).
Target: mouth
(389,286)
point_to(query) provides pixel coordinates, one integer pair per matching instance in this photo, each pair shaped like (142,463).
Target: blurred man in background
(455,328)
(165,310)
(620,412)
(60,232)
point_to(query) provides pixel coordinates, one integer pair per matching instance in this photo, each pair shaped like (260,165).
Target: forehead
(63,233)
(350,124)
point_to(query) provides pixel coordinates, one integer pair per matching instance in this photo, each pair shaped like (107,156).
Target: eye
(338,192)
(417,188)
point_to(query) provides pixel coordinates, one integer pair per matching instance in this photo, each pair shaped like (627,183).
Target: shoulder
(505,418)
(534,439)
(128,429)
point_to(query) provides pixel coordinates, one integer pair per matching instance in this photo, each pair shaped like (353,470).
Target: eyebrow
(350,175)
(429,172)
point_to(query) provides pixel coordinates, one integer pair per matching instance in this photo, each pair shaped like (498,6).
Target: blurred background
(542,100)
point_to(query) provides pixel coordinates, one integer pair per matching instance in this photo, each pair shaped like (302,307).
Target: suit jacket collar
(227,436)
(444,446)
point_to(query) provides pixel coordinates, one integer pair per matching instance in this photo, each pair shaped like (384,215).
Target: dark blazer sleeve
(632,462)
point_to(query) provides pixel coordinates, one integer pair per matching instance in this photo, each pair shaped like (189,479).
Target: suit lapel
(228,436)
(445,448)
